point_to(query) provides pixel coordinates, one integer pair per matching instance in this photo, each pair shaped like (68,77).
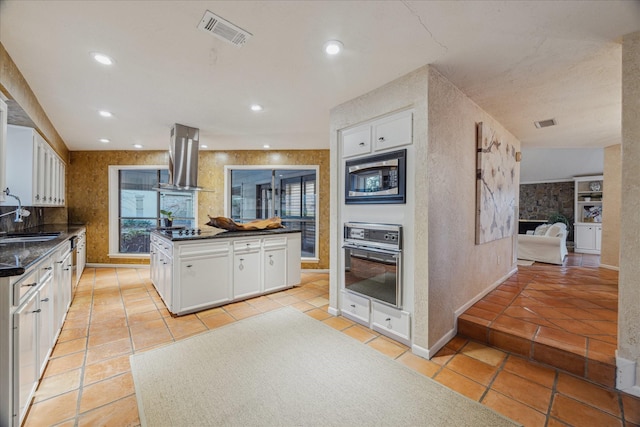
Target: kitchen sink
(29,237)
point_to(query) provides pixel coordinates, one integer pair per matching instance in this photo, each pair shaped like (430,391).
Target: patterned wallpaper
(88,190)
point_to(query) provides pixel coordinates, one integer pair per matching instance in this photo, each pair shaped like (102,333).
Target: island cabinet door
(204,280)
(275,267)
(246,269)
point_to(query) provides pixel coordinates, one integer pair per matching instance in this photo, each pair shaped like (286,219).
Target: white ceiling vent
(545,123)
(223,29)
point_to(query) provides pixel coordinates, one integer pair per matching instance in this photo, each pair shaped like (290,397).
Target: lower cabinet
(25,354)
(204,277)
(387,320)
(192,275)
(246,268)
(588,238)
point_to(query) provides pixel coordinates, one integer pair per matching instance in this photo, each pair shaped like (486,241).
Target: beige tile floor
(116,312)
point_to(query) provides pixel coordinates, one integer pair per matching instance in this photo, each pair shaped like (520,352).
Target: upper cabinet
(35,173)
(381,134)
(3,137)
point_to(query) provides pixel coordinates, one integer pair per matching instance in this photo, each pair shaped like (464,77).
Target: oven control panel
(375,235)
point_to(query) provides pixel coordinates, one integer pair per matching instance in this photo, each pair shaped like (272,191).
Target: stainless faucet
(19,210)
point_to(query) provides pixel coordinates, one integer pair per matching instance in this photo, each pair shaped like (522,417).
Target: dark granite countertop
(217,233)
(16,258)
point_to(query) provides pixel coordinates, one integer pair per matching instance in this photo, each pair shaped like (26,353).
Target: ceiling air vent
(545,123)
(223,29)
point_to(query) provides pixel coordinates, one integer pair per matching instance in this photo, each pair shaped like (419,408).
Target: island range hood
(183,159)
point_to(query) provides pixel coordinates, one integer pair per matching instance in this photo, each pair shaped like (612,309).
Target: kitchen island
(196,270)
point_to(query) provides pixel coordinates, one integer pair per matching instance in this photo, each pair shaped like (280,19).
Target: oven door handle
(392,252)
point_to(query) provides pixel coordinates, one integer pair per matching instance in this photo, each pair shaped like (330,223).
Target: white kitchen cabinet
(378,135)
(391,322)
(356,141)
(204,276)
(246,268)
(274,261)
(81,255)
(192,275)
(356,307)
(587,238)
(62,285)
(46,331)
(393,131)
(25,354)
(40,180)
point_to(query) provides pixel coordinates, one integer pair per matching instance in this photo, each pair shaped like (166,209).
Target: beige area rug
(283,368)
(525,262)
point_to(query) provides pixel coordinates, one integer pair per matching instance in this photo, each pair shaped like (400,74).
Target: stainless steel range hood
(183,159)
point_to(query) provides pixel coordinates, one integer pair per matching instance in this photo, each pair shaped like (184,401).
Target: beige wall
(629,282)
(459,269)
(610,248)
(14,86)
(88,192)
(444,267)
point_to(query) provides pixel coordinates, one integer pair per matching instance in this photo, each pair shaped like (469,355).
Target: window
(135,204)
(259,192)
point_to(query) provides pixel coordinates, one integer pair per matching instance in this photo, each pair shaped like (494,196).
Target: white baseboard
(313,270)
(333,311)
(626,376)
(610,267)
(99,265)
(421,352)
(481,295)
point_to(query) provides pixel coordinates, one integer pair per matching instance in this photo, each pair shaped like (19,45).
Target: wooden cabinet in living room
(589,192)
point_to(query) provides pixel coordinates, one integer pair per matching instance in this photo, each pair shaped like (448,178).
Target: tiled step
(565,318)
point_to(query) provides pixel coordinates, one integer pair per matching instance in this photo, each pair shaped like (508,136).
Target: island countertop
(178,235)
(16,257)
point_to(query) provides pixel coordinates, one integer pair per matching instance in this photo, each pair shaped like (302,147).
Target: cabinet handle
(36,311)
(66,269)
(381,138)
(361,144)
(45,300)
(353,305)
(388,319)
(47,268)
(29,284)
(37,197)
(241,266)
(189,266)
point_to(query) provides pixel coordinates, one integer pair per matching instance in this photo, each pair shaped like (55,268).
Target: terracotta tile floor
(566,317)
(116,312)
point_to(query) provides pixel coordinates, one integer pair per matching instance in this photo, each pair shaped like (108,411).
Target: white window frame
(114,208)
(316,168)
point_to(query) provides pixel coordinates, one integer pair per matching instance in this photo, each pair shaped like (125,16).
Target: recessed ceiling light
(256,107)
(204,146)
(102,58)
(104,113)
(105,140)
(266,146)
(333,47)
(137,145)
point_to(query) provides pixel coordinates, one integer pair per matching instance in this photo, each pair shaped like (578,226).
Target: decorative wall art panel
(495,186)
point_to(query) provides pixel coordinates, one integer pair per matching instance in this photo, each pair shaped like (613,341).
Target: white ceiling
(519,60)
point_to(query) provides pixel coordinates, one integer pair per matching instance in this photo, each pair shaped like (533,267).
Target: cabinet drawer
(246,245)
(394,131)
(390,321)
(22,287)
(355,307)
(356,141)
(203,249)
(275,242)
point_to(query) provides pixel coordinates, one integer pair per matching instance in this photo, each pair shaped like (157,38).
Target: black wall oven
(376,179)
(373,261)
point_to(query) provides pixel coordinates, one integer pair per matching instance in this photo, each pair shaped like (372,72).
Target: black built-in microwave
(376,179)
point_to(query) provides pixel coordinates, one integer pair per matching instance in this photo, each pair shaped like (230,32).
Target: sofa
(548,244)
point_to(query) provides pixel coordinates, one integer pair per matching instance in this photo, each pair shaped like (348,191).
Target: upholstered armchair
(547,244)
